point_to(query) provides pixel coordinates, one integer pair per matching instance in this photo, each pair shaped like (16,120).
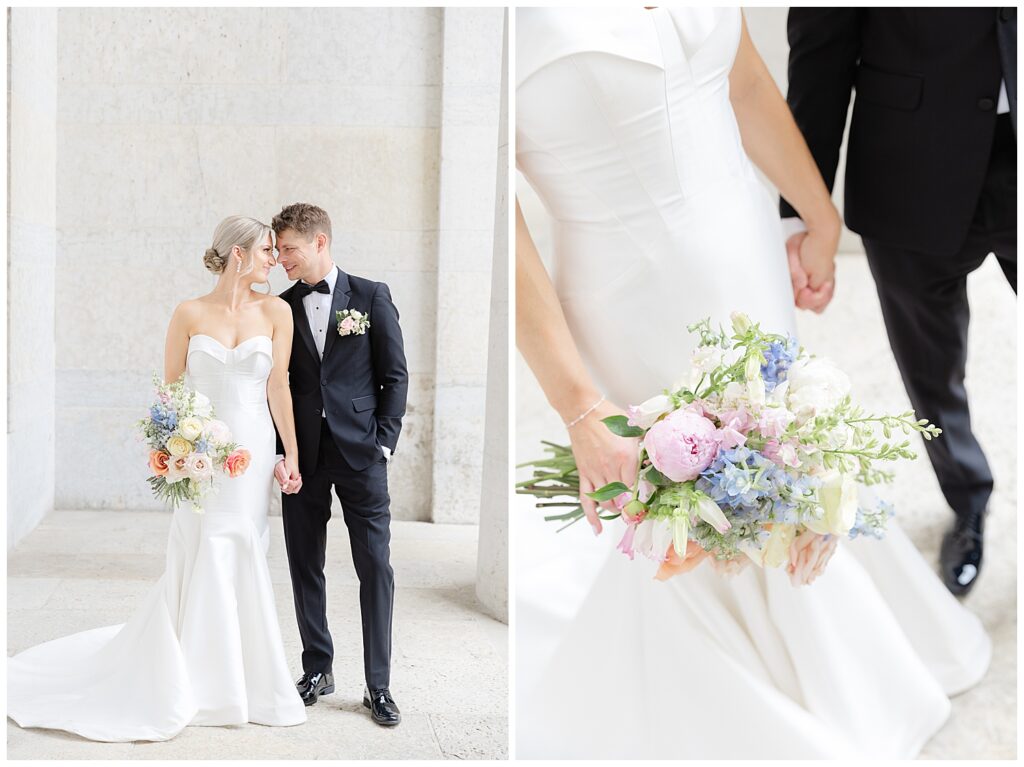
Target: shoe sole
(366,704)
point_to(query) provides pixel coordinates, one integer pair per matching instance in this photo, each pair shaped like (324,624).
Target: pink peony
(682,445)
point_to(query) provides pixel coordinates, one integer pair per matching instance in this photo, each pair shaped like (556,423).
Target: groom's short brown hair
(308,220)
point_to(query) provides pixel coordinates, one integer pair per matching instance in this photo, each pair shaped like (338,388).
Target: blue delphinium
(752,488)
(778,358)
(872,522)
(164,417)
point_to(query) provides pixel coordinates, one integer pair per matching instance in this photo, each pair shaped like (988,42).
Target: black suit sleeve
(824,47)
(389,367)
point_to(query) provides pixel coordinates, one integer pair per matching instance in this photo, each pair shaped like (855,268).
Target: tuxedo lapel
(301,323)
(340,299)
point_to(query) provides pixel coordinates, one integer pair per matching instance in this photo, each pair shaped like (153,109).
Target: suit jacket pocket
(889,89)
(369,402)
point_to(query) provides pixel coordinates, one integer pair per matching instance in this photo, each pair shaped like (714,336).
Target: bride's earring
(239,269)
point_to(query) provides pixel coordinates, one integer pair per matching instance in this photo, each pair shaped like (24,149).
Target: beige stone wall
(32,243)
(492,556)
(171,119)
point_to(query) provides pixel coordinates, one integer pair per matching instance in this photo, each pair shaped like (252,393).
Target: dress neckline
(230,348)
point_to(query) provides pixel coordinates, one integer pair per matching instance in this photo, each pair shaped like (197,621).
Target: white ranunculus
(816,386)
(838,498)
(646,413)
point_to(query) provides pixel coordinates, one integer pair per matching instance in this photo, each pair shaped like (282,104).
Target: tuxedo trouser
(366,508)
(924,303)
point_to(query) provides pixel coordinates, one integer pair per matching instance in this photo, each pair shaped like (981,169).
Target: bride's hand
(601,458)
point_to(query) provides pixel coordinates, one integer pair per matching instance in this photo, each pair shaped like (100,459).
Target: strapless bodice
(233,378)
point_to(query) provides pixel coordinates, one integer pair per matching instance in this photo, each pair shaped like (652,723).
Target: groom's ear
(321,241)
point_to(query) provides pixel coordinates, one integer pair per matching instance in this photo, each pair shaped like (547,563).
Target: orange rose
(236,463)
(158,462)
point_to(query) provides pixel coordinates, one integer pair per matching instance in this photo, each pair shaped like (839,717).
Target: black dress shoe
(961,553)
(312,686)
(382,707)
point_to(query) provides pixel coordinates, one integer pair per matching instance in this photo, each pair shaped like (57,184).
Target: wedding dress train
(626,132)
(204,647)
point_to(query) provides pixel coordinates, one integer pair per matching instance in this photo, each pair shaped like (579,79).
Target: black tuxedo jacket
(927,83)
(362,382)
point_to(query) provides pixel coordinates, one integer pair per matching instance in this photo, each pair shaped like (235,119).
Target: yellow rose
(838,498)
(178,446)
(190,428)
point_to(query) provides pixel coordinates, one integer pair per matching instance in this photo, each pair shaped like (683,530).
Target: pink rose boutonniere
(352,322)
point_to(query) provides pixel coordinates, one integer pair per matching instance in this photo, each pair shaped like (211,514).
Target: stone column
(492,549)
(31,258)
(469,123)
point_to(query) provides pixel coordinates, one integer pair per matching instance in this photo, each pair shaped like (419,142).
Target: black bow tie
(304,289)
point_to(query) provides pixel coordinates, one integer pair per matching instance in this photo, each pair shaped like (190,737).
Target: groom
(931,187)
(349,383)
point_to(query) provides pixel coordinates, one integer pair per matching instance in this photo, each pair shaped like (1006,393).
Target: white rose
(190,428)
(177,469)
(201,406)
(646,413)
(816,386)
(217,431)
(199,467)
(838,498)
(775,552)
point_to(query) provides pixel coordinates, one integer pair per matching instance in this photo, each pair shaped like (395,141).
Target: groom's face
(299,256)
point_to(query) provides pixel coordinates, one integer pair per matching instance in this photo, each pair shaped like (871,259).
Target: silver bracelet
(585,413)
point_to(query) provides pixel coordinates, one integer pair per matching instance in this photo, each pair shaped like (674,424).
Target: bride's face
(263,259)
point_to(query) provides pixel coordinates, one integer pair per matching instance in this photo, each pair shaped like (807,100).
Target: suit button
(316,410)
(1007,14)
(324,382)
(986,105)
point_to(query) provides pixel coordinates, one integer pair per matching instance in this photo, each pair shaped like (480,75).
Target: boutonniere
(352,322)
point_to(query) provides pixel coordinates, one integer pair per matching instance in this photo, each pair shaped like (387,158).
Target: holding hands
(286,472)
(811,255)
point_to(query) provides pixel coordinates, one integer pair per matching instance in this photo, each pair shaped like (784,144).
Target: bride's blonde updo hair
(233,230)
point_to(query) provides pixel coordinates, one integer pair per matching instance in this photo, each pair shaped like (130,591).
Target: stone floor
(983,723)
(83,569)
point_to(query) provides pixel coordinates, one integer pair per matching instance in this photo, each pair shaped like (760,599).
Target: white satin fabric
(204,648)
(626,132)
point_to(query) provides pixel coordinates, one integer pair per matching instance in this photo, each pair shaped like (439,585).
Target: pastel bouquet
(758,449)
(189,447)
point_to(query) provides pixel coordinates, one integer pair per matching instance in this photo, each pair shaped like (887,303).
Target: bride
(204,647)
(637,128)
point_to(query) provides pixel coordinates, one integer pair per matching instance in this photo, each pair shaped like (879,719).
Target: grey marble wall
(492,556)
(31,255)
(171,119)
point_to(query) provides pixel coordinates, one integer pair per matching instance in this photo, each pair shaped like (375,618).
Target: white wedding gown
(625,131)
(204,647)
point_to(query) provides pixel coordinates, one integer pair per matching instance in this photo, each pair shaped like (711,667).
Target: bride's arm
(775,144)
(176,344)
(279,395)
(544,339)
